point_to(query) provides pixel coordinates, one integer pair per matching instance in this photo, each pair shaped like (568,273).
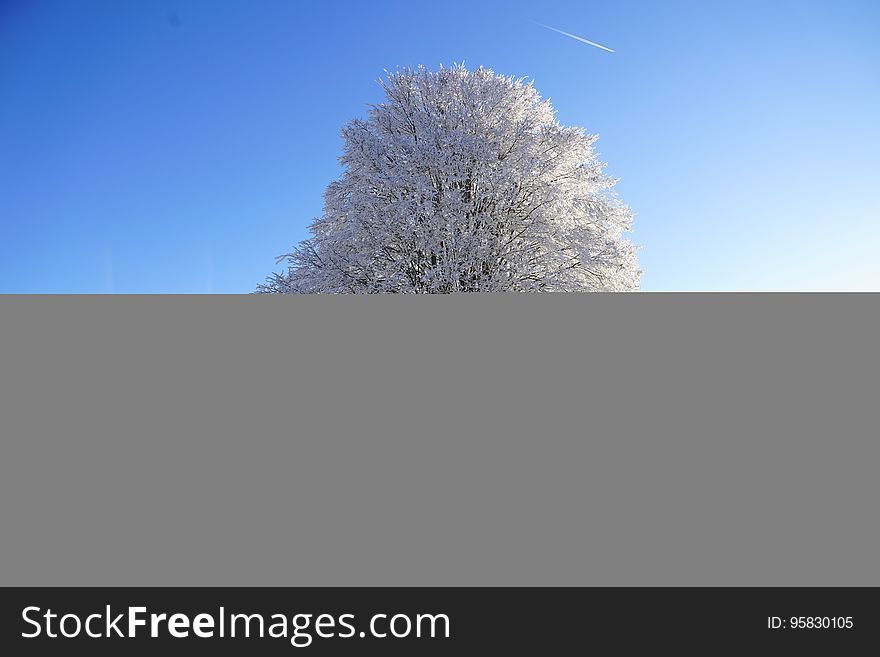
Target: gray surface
(510,440)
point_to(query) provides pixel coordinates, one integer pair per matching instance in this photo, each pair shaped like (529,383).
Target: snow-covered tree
(463,181)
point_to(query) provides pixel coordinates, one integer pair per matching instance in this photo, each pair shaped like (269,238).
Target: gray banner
(508,440)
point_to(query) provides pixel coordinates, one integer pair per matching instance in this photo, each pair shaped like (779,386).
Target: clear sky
(180,145)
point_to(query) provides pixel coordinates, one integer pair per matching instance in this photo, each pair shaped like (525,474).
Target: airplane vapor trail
(576,37)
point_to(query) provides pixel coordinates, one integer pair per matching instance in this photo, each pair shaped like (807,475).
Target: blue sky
(178,146)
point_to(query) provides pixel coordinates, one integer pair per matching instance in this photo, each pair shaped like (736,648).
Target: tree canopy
(464,181)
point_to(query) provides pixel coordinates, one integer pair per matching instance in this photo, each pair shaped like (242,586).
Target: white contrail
(576,37)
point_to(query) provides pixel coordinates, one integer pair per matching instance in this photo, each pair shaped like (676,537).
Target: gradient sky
(180,145)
